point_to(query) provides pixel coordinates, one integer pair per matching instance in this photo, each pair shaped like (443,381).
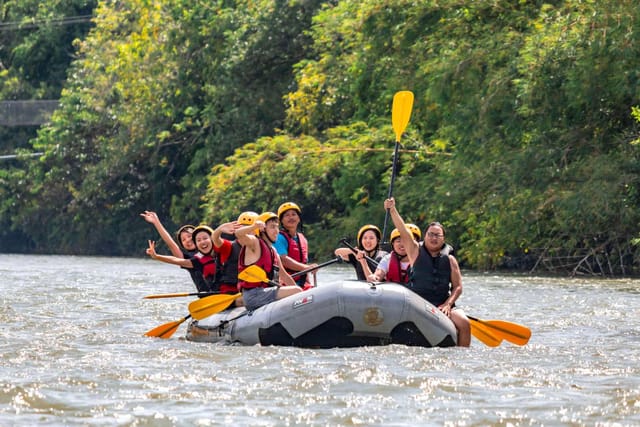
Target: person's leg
(463,326)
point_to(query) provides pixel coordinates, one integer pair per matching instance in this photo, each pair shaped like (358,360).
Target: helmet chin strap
(267,237)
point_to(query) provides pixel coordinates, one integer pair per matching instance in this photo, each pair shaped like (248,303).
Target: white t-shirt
(384,263)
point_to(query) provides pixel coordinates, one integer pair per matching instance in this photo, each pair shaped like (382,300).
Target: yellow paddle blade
(479,331)
(208,306)
(512,332)
(166,330)
(253,273)
(401,112)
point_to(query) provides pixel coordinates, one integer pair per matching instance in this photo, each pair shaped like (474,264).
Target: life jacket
(227,266)
(431,276)
(396,273)
(298,251)
(196,274)
(372,265)
(206,264)
(266,261)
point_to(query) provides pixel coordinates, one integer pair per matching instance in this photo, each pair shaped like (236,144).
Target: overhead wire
(34,23)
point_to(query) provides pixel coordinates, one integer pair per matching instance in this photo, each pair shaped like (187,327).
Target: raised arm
(152,218)
(412,247)
(151,251)
(227,227)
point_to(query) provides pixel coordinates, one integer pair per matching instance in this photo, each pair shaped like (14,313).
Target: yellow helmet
(367,228)
(266,216)
(412,228)
(288,206)
(247,218)
(415,230)
(200,228)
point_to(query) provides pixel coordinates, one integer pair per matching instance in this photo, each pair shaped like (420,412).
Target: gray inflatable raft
(347,314)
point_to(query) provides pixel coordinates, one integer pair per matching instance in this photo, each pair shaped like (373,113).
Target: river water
(73,354)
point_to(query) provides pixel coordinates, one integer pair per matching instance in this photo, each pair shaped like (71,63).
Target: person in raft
(182,247)
(368,253)
(435,274)
(205,259)
(228,253)
(257,249)
(395,266)
(292,245)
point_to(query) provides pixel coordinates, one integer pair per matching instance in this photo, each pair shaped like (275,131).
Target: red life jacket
(266,261)
(207,264)
(396,273)
(298,252)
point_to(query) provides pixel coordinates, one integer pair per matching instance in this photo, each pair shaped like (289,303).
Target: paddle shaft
(308,270)
(394,169)
(182,294)
(354,250)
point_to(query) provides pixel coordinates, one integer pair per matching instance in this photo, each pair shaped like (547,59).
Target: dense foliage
(523,138)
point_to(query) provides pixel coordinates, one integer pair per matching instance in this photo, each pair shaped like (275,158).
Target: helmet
(395,233)
(187,228)
(200,228)
(247,218)
(412,228)
(415,230)
(266,216)
(288,206)
(367,228)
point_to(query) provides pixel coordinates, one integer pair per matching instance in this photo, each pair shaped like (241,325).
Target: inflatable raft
(347,314)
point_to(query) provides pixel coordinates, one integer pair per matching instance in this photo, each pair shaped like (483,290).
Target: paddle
(308,270)
(512,332)
(483,335)
(490,332)
(204,294)
(166,330)
(354,250)
(205,307)
(181,294)
(400,114)
(253,273)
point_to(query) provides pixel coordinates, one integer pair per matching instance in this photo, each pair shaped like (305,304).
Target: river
(74,354)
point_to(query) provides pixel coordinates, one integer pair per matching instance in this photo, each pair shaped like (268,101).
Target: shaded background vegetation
(523,138)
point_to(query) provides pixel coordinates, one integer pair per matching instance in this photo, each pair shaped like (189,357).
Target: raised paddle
(512,332)
(400,114)
(205,307)
(166,330)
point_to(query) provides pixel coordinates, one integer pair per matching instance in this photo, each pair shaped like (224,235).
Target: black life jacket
(431,276)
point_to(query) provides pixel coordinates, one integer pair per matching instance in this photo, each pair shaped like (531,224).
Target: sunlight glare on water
(73,353)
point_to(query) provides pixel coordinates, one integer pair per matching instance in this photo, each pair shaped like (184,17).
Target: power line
(34,23)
